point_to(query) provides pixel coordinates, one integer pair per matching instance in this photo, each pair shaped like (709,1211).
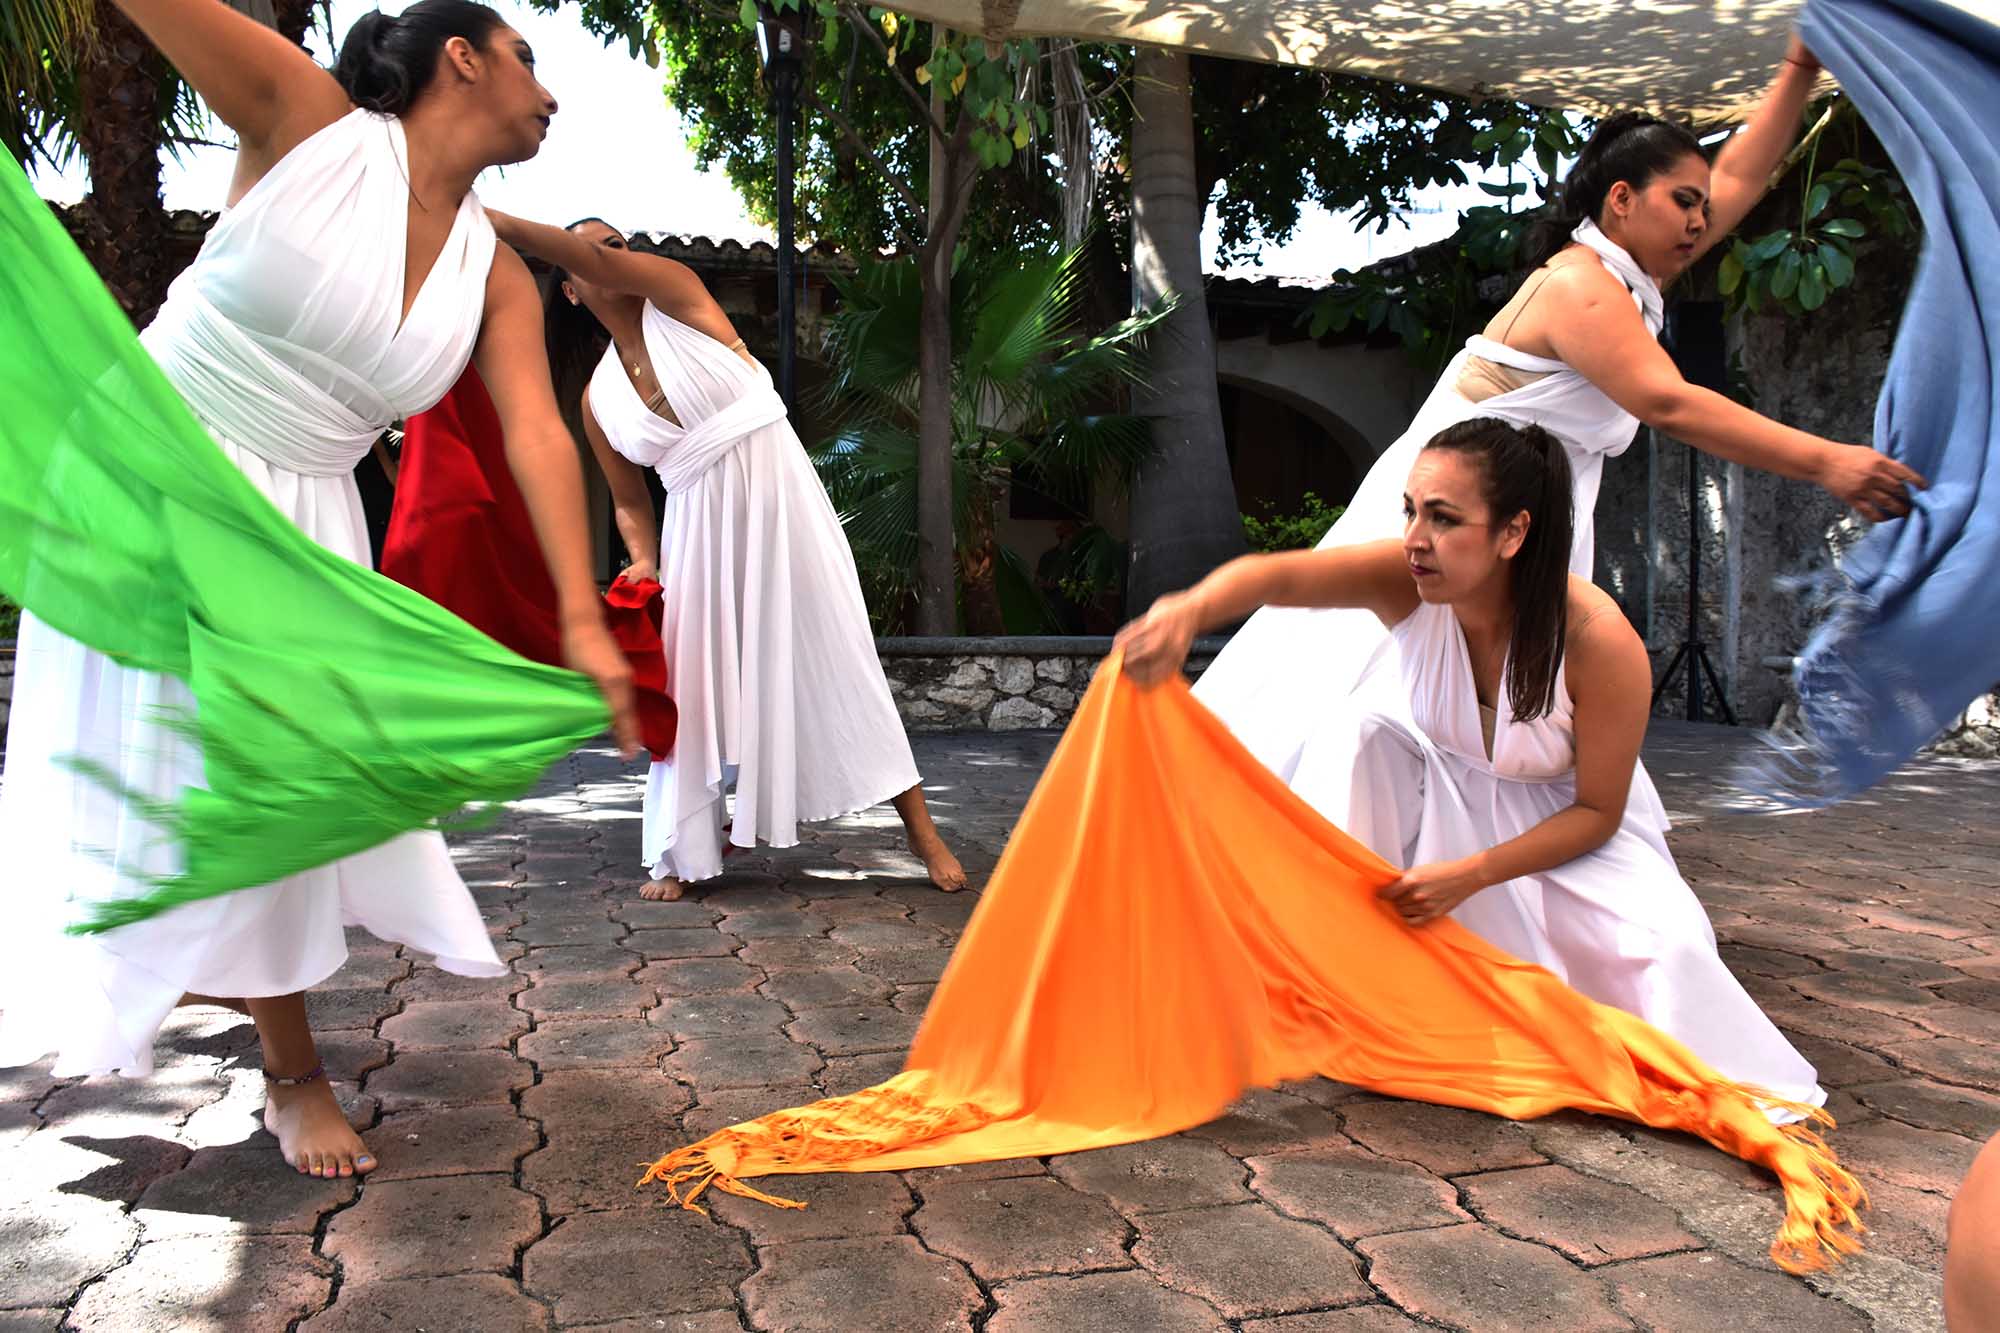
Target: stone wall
(999,684)
(6,684)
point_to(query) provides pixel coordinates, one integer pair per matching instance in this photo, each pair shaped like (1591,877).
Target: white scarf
(1644,290)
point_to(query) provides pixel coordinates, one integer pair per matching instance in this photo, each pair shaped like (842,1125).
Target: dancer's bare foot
(312,1131)
(944,869)
(668,890)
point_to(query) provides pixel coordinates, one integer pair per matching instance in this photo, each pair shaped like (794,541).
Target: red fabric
(460,535)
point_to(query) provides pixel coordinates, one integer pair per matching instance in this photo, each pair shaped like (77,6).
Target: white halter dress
(770,658)
(286,337)
(1287,665)
(1619,924)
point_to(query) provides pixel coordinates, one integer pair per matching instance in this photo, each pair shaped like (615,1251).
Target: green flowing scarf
(334,708)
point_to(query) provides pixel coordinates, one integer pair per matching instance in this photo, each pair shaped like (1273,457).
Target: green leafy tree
(1030,391)
(904,121)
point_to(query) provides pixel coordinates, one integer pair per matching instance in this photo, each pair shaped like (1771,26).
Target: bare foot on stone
(943,867)
(668,890)
(312,1131)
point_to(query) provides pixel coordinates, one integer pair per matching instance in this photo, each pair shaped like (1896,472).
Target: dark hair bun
(1630,147)
(388,60)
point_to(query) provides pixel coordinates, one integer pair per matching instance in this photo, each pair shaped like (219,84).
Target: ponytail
(1628,147)
(387,61)
(574,338)
(1526,469)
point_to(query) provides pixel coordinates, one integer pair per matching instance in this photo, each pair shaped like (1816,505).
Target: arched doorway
(1282,446)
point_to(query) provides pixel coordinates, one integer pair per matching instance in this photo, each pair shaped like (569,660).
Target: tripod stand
(1695,339)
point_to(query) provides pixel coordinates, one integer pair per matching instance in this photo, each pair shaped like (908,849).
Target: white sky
(610,102)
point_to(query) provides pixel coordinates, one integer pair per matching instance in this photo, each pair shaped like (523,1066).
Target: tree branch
(859,22)
(861,145)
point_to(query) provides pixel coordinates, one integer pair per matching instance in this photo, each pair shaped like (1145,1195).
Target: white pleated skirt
(771,662)
(96,1002)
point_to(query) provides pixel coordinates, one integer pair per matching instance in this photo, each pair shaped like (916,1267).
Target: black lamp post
(781,45)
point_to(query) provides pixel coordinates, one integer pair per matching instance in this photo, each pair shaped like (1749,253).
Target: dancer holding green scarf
(205,700)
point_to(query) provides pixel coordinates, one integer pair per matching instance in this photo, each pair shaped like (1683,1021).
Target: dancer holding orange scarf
(1149,947)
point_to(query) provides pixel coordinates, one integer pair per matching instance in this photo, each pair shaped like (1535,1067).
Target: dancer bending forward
(770,659)
(1500,768)
(347,284)
(1576,353)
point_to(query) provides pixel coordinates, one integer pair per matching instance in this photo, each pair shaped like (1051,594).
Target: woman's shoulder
(1598,636)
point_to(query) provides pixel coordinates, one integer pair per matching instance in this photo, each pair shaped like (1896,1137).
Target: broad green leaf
(1730,275)
(1848,227)
(1785,277)
(1839,264)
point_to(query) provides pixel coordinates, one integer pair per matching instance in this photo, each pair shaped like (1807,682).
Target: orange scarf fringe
(1170,926)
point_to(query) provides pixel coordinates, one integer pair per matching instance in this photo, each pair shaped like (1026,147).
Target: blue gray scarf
(1912,632)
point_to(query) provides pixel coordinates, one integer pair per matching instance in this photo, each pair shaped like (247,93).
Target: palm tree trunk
(937,581)
(1184,517)
(124,221)
(952,175)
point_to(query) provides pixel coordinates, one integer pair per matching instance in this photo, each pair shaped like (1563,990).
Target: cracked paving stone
(575,961)
(856,1029)
(1007,1168)
(461,1141)
(31,1321)
(431,983)
(1920,1159)
(737,1014)
(228,1191)
(606,1099)
(741,1062)
(1157,1174)
(426,1079)
(1686,1291)
(1267,1121)
(1353,1319)
(1950,1059)
(700,976)
(1592,1221)
(1355,1192)
(906,967)
(646,1262)
(353,1007)
(706,1321)
(590,997)
(455,1025)
(824,988)
(255,1282)
(543,931)
(880,937)
(839,1205)
(433,1228)
(1246,1259)
(914,999)
(1976,1115)
(53,1246)
(76,1162)
(1126,1300)
(1443,1139)
(764,923)
(877,1282)
(595,1043)
(852,1073)
(705,942)
(1467,1276)
(112,1107)
(721,1108)
(1017,1227)
(781,955)
(469,1303)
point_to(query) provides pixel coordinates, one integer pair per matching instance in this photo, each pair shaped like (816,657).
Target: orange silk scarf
(1171,925)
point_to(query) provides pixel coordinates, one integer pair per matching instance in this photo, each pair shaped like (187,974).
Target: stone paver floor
(511,1116)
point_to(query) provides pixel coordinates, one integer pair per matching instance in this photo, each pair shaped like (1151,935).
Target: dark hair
(1526,468)
(387,61)
(574,338)
(1628,147)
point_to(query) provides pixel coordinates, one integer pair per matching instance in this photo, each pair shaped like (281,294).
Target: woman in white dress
(770,660)
(346,285)
(1501,772)
(1576,352)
